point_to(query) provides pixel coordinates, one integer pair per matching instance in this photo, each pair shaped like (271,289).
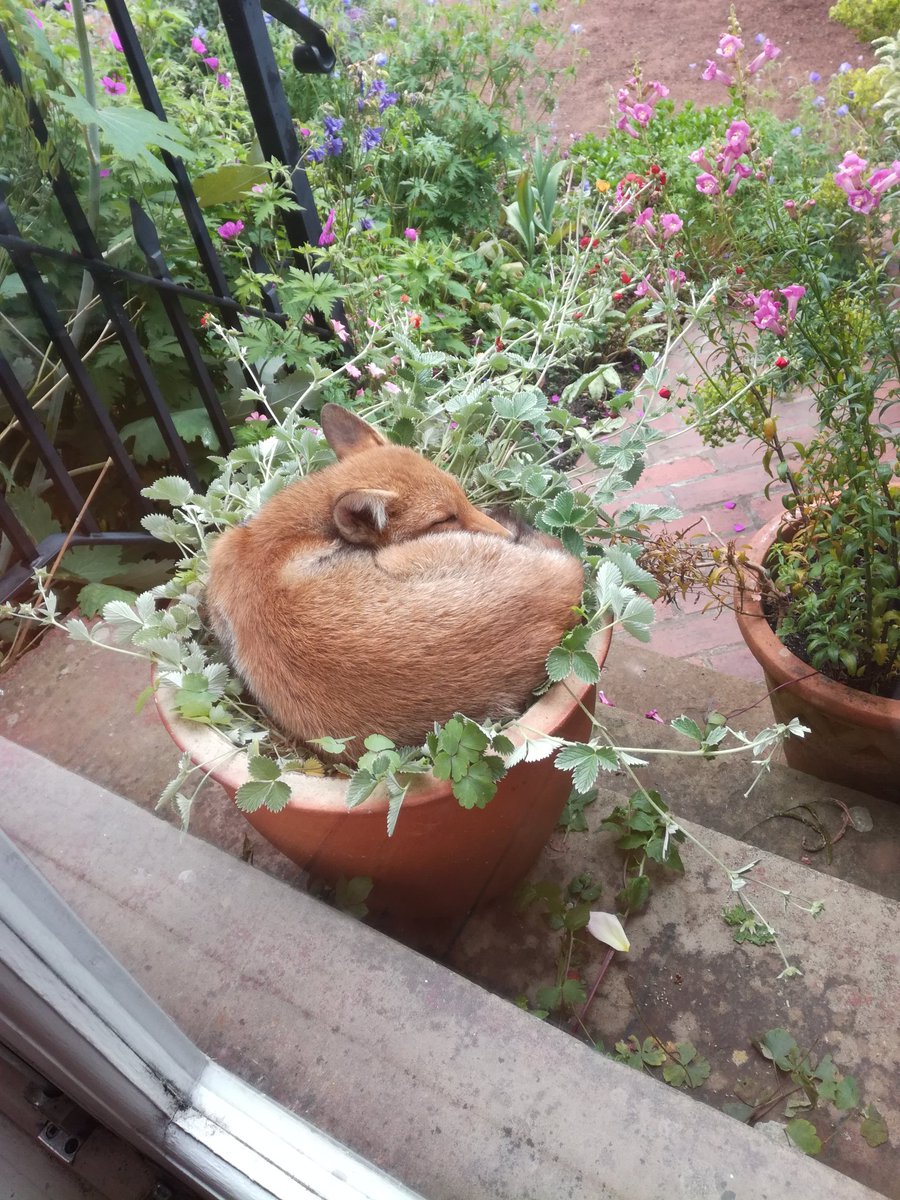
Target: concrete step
(713,793)
(454,1091)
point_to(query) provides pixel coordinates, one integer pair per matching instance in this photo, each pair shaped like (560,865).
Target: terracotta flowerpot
(855,737)
(442,859)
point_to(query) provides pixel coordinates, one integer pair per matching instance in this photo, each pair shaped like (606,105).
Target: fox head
(384,493)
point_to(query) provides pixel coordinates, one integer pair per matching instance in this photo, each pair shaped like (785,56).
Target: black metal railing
(254,58)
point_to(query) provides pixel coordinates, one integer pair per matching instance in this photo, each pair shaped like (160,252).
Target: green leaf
(93,596)
(778,1046)
(476,788)
(873,1127)
(803,1134)
(228,183)
(131,132)
(257,794)
(652,1053)
(33,512)
(573,992)
(94,564)
(549,998)
(377,743)
(584,764)
(847,1095)
(263,769)
(171,488)
(331,745)
(740,1112)
(688,727)
(360,788)
(635,894)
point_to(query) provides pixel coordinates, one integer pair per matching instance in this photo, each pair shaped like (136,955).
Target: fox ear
(347,433)
(361,516)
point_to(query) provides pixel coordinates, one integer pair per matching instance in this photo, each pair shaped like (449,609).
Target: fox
(372,596)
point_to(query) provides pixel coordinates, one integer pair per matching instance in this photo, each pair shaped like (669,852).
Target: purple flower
(212,62)
(713,74)
(333,146)
(844,68)
(315,153)
(223,79)
(115,41)
(769,51)
(796,131)
(819,102)
(729,45)
(230,229)
(863,201)
(371,137)
(326,237)
(391,22)
(842,110)
(814,77)
(381,60)
(113,87)
(652,714)
(200,31)
(793,294)
(671,224)
(738,527)
(411,235)
(387,100)
(333,125)
(535,7)
(197,45)
(364,224)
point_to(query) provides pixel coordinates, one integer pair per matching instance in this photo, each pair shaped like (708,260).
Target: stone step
(713,793)
(439,1082)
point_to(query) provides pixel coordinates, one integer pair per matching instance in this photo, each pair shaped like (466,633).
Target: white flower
(606,927)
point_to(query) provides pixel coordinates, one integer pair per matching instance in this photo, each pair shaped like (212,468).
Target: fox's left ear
(361,516)
(346,432)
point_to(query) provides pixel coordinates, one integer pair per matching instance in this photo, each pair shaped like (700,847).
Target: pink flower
(642,113)
(604,699)
(391,387)
(340,330)
(197,46)
(729,45)
(737,138)
(411,235)
(741,171)
(699,159)
(790,207)
(375,371)
(353,371)
(256,416)
(738,527)
(212,62)
(230,229)
(658,90)
(848,176)
(37,20)
(707,184)
(223,79)
(729,504)
(113,87)
(767,315)
(769,51)
(624,123)
(259,188)
(671,224)
(641,288)
(675,278)
(792,294)
(879,181)
(645,219)
(326,237)
(713,74)
(104,171)
(653,715)
(554,399)
(862,201)
(115,41)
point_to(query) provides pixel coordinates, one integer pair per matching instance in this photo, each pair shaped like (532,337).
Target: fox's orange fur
(373,597)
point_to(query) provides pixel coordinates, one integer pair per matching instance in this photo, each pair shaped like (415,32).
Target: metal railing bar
(16,531)
(72,257)
(47,549)
(46,310)
(84,236)
(37,435)
(147,239)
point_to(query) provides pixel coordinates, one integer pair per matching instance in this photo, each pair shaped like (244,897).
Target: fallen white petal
(606,927)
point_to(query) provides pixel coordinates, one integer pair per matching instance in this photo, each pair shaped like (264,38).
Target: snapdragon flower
(714,74)
(671,224)
(707,184)
(769,51)
(326,237)
(729,44)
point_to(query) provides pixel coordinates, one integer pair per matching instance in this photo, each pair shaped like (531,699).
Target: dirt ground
(668,36)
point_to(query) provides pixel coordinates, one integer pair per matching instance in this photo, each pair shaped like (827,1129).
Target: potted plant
(820,605)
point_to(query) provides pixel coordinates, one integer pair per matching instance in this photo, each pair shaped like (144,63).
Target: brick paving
(699,481)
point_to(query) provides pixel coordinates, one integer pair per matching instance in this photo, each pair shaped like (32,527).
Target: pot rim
(329,793)
(790,672)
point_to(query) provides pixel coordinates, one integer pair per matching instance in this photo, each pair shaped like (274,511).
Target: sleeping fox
(373,597)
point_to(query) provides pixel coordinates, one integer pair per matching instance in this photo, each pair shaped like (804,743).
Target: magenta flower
(793,294)
(604,699)
(115,41)
(645,219)
(37,20)
(699,159)
(230,229)
(885,177)
(113,87)
(326,237)
(642,113)
(729,45)
(848,176)
(554,399)
(862,201)
(738,527)
(353,371)
(340,330)
(714,74)
(212,62)
(624,123)
(671,224)
(767,315)
(104,171)
(741,171)
(197,46)
(729,504)
(653,715)
(707,184)
(641,288)
(675,278)
(411,235)
(659,90)
(223,79)
(769,51)
(737,138)
(256,416)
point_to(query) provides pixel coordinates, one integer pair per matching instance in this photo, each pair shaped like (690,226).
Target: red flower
(781,362)
(662,178)
(654,169)
(738,270)
(665,393)
(577,316)
(415,320)
(498,345)
(585,241)
(617,295)
(404,298)
(606,259)
(625,277)
(204,319)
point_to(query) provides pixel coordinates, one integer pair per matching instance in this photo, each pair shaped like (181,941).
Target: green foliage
(747,926)
(471,758)
(869,19)
(682,1065)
